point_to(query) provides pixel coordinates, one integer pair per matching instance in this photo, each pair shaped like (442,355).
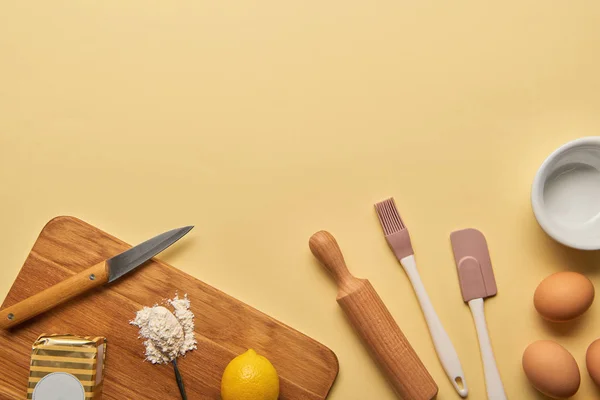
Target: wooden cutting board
(225,327)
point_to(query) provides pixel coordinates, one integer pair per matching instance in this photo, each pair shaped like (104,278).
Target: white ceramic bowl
(566,194)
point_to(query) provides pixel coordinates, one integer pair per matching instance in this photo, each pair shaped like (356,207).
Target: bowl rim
(537,194)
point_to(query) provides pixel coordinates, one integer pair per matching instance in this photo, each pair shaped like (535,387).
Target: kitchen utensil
(225,327)
(398,239)
(179,380)
(566,194)
(103,272)
(375,324)
(477,282)
(155,333)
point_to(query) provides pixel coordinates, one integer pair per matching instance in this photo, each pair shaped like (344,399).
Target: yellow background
(263,122)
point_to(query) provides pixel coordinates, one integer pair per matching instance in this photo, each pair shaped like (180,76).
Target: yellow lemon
(250,376)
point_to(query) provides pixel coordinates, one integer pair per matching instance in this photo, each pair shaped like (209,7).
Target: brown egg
(592,360)
(563,296)
(551,369)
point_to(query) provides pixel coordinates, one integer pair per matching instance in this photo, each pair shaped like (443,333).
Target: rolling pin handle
(325,248)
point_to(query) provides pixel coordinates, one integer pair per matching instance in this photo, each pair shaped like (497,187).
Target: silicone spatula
(477,282)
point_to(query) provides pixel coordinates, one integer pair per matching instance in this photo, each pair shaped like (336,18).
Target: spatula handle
(493,382)
(54,295)
(374,323)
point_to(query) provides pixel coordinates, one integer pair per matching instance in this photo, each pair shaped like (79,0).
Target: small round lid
(59,386)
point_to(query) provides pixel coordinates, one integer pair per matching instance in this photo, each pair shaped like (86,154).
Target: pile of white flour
(168,334)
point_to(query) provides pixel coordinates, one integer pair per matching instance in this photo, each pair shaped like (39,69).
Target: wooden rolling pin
(375,324)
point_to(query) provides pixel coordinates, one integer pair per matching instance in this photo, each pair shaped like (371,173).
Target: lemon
(250,376)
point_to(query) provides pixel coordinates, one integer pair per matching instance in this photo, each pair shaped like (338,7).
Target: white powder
(186,318)
(167,336)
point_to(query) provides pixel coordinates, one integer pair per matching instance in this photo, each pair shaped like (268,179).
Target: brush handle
(374,323)
(493,382)
(441,341)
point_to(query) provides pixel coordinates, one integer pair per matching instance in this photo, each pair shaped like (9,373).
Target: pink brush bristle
(394,229)
(389,217)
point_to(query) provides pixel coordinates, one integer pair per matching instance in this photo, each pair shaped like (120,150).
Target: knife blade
(130,259)
(104,272)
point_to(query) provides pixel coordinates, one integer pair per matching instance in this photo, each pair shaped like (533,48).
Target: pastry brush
(398,239)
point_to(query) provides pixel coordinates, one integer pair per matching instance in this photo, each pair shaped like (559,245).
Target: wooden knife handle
(374,323)
(54,295)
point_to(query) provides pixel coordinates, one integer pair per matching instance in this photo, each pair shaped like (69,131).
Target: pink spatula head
(474,265)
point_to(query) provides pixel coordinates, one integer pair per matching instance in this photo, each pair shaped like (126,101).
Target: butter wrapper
(66,367)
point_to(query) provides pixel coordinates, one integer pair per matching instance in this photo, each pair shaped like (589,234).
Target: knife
(104,272)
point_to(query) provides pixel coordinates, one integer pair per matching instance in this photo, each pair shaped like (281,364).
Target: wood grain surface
(225,327)
(375,325)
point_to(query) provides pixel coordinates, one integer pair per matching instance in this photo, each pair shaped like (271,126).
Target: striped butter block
(82,357)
